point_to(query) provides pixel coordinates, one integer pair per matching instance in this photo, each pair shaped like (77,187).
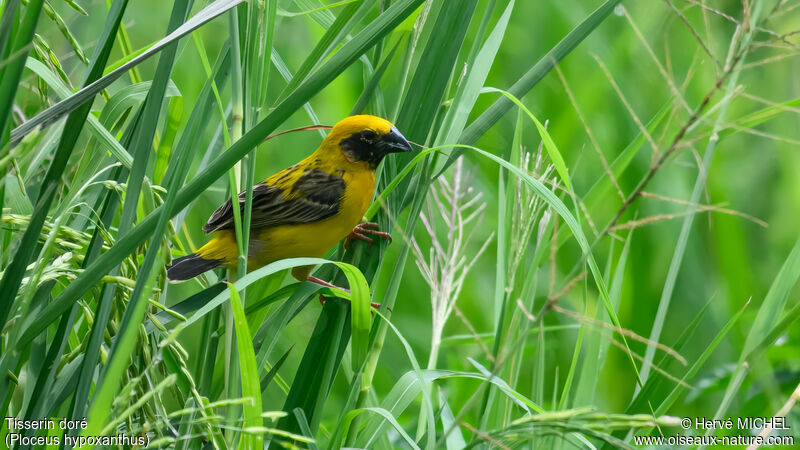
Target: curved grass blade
(7,22)
(249,372)
(558,206)
(360,312)
(549,145)
(187,306)
(537,72)
(454,440)
(468,91)
(274,371)
(774,303)
(318,367)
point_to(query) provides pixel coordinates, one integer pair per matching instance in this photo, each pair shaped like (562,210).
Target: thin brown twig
(525,311)
(474,333)
(743,129)
(769,102)
(674,146)
(777,13)
(707,25)
(712,10)
(653,366)
(306,128)
(594,142)
(661,69)
(553,249)
(623,331)
(694,33)
(554,298)
(483,435)
(769,60)
(628,106)
(703,208)
(611,339)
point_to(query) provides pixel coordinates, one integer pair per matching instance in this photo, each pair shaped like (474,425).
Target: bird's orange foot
(361,231)
(326,284)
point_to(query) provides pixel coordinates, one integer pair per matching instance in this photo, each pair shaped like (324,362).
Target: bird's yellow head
(365,138)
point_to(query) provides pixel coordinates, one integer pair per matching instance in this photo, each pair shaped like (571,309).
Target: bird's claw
(363,229)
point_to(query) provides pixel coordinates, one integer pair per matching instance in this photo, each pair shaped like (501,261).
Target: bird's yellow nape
(356,124)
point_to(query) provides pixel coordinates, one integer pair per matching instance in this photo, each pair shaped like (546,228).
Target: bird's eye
(369,135)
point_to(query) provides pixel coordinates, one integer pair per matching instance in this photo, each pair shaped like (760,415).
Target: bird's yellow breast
(314,239)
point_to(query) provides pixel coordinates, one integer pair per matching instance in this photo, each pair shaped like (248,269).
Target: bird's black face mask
(372,147)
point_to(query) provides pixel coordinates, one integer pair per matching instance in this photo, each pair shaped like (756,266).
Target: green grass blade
(360,312)
(318,366)
(468,91)
(269,376)
(14,61)
(549,145)
(455,440)
(250,382)
(174,113)
(780,328)
(774,303)
(420,104)
(597,348)
(134,313)
(198,117)
(336,442)
(372,86)
(7,22)
(560,208)
(695,367)
(333,35)
(304,427)
(143,135)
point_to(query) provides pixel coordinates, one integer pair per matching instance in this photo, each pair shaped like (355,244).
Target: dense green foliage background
(692,105)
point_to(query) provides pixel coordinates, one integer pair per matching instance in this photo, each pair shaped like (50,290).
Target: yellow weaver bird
(306,209)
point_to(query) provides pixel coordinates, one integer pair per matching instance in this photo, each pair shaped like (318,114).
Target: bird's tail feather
(190,266)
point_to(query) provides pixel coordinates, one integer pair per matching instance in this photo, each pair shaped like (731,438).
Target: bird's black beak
(394,142)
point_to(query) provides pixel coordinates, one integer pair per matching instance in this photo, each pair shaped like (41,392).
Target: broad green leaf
(360,312)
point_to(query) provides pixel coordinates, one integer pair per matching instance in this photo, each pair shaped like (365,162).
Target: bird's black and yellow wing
(291,197)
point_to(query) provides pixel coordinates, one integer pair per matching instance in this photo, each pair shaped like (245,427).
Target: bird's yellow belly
(313,239)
